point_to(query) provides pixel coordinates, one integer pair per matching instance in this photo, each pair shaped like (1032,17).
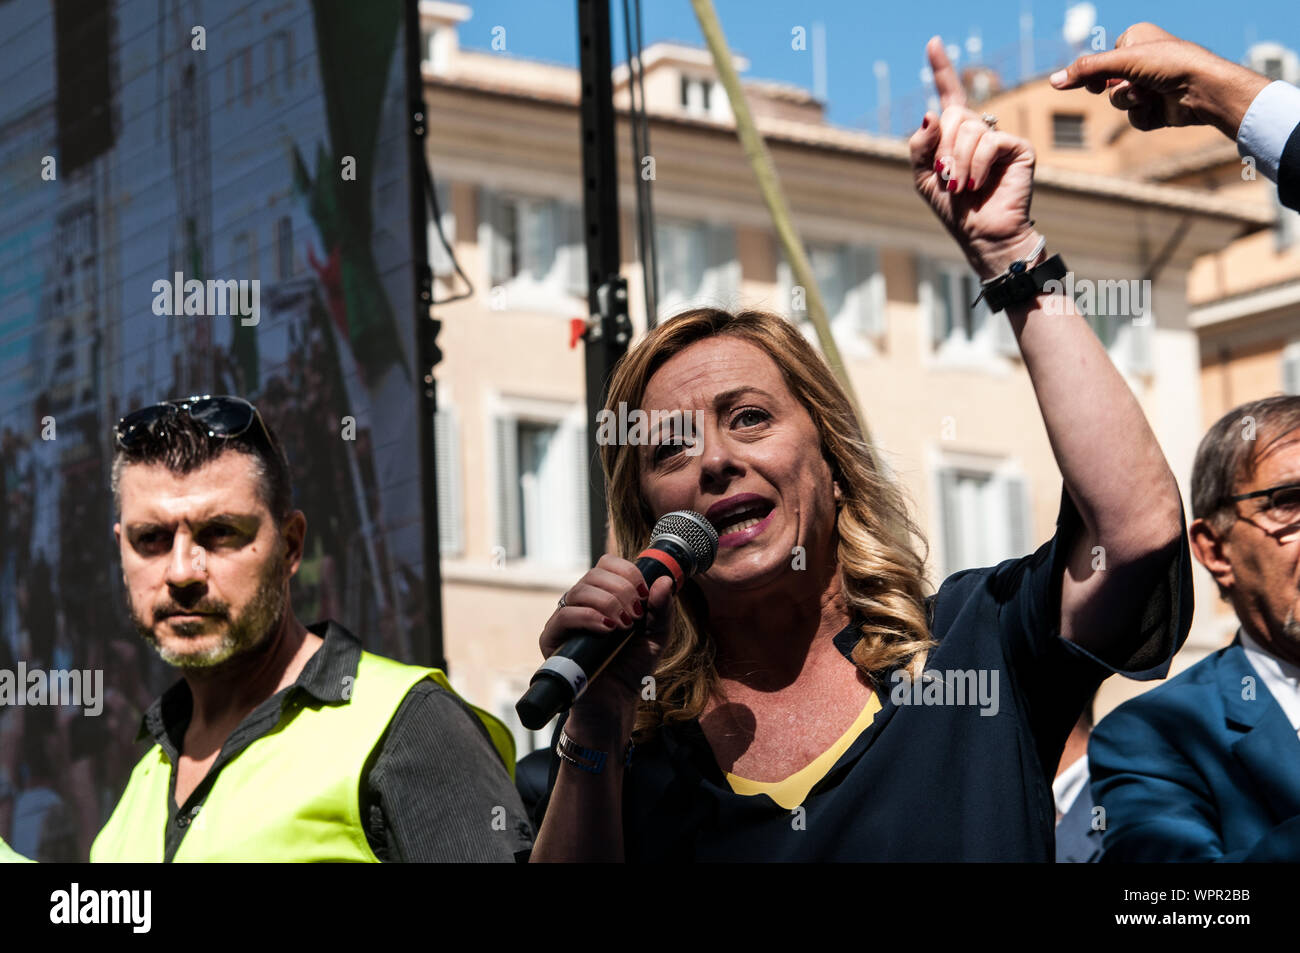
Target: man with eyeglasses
(280,742)
(1206,767)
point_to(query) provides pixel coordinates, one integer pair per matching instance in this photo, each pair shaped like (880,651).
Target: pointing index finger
(1094,70)
(946,81)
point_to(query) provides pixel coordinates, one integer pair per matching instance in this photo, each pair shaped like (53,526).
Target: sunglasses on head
(220,416)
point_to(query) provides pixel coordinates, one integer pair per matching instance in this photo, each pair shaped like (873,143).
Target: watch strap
(1022,284)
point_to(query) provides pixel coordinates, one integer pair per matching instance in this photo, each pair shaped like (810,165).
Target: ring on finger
(561,604)
(990,120)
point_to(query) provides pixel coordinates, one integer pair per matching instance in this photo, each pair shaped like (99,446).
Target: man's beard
(1291,628)
(259,618)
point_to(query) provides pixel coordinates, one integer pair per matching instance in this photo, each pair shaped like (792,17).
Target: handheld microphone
(682,544)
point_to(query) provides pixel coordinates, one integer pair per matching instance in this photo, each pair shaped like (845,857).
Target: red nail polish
(609,623)
(952,184)
(642,591)
(627,619)
(970,184)
(636,609)
(938,165)
(925,122)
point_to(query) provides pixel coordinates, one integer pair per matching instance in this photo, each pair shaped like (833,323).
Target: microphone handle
(565,675)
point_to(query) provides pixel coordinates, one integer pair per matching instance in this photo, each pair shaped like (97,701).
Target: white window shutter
(723,276)
(677,262)
(785,290)
(574,250)
(582,484)
(508,533)
(950,521)
(867,295)
(494,240)
(932,289)
(1138,348)
(439,259)
(537,223)
(663,251)
(451,527)
(833,272)
(1291,369)
(1017,516)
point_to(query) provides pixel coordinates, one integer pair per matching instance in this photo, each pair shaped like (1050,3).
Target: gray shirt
(429,789)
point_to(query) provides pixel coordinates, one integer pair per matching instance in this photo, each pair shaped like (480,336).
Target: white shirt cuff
(1268,124)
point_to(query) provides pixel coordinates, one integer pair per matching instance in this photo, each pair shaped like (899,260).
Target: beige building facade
(941,386)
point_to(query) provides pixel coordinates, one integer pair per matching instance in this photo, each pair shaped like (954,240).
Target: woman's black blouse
(966,779)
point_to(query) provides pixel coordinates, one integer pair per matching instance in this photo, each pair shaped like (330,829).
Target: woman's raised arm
(979,182)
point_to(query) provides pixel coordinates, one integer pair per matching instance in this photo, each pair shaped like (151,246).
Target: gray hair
(1230,450)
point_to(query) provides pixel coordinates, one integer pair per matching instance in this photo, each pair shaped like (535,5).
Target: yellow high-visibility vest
(291,795)
(10,856)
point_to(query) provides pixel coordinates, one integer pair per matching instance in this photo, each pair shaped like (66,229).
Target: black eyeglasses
(221,416)
(1281,506)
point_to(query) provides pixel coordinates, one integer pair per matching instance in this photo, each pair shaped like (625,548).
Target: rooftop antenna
(819,60)
(1026,41)
(882,95)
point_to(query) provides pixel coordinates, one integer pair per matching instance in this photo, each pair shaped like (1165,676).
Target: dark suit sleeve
(1157,805)
(437,790)
(1288,172)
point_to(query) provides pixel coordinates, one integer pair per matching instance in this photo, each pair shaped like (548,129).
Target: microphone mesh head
(694,530)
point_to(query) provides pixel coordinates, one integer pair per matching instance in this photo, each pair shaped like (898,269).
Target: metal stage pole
(610,330)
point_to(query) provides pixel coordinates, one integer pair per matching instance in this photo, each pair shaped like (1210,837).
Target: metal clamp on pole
(612,300)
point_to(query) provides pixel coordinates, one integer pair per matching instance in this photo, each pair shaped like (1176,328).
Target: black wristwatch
(1020,283)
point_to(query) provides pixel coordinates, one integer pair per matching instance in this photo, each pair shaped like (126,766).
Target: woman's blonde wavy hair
(881,570)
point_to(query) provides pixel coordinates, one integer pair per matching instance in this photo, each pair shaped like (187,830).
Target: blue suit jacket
(1204,767)
(1076,841)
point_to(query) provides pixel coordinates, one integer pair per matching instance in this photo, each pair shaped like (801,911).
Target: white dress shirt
(1268,124)
(1069,784)
(1280,677)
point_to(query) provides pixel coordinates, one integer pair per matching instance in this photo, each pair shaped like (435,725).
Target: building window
(957,317)
(697,264)
(1067,130)
(959,330)
(983,517)
(533,245)
(697,96)
(541,488)
(1123,323)
(852,287)
(437,44)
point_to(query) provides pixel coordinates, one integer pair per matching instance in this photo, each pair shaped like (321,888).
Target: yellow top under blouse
(791,792)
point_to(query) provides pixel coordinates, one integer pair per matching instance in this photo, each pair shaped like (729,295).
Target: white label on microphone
(569,670)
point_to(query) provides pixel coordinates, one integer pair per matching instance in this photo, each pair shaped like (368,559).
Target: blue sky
(858,34)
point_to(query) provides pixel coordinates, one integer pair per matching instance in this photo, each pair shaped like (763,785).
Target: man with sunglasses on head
(281,742)
(1206,767)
